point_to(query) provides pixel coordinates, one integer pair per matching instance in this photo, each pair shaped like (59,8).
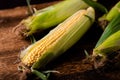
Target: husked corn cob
(49,17)
(58,40)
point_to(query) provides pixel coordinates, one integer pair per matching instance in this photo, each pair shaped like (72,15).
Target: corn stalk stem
(30,10)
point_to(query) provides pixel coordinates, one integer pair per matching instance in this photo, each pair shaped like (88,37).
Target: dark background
(13,3)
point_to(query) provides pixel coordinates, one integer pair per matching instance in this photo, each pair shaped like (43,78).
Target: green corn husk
(58,40)
(111,28)
(113,12)
(106,18)
(49,17)
(108,44)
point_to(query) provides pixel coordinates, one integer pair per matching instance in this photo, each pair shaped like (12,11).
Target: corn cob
(58,40)
(49,17)
(108,44)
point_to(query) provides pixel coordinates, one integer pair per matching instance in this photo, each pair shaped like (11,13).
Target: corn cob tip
(90,9)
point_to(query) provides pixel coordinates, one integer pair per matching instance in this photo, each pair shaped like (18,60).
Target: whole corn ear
(49,17)
(58,40)
(108,44)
